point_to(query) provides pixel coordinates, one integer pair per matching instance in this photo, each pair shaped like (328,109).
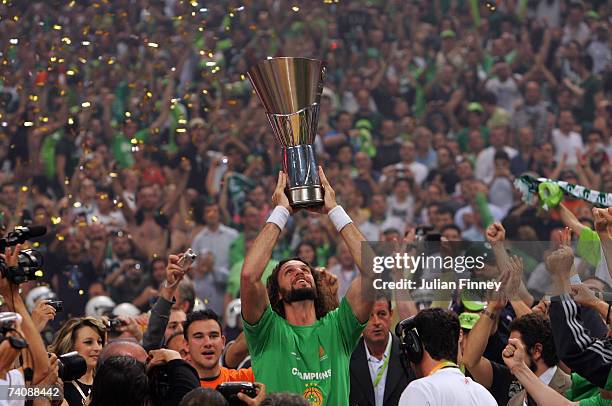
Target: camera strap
(78,388)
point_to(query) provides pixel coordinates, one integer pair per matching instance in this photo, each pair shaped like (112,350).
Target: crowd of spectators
(130,130)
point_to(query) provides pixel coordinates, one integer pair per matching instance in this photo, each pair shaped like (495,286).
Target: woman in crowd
(87,336)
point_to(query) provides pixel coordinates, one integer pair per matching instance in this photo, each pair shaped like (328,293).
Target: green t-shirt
(586,393)
(588,247)
(309,360)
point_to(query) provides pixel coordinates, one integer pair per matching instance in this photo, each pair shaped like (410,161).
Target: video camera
(8,323)
(29,261)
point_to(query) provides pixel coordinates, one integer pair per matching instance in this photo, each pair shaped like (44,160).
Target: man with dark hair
(216,236)
(297,345)
(205,344)
(120,380)
(430,342)
(535,334)
(377,376)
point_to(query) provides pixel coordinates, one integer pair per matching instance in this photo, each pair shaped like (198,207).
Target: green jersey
(309,360)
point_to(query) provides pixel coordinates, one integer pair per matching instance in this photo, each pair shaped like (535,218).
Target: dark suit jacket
(362,390)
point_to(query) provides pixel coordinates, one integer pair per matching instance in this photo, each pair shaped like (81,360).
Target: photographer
(36,363)
(130,283)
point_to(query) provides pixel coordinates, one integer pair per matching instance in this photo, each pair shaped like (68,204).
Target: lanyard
(381,371)
(443,364)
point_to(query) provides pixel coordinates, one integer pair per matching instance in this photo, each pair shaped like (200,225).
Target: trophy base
(306,196)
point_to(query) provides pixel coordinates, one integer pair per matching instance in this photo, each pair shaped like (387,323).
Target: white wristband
(279,216)
(338,216)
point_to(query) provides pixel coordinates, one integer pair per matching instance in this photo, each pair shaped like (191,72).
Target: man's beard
(299,294)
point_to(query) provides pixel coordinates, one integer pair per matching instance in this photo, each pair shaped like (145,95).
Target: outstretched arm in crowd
(361,300)
(252,290)
(603,226)
(473,359)
(36,357)
(585,355)
(520,299)
(160,313)
(514,357)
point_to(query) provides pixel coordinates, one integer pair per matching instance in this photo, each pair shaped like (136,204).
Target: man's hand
(495,233)
(583,295)
(42,314)
(514,266)
(329,197)
(514,354)
(7,289)
(257,400)
(52,375)
(161,356)
(279,198)
(328,280)
(603,222)
(174,272)
(560,261)
(129,326)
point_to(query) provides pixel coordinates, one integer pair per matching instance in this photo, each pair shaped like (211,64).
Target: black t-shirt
(66,147)
(73,281)
(72,395)
(504,384)
(386,155)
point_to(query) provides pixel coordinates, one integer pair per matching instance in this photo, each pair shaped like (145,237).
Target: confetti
(153,44)
(57,27)
(14,41)
(55,220)
(85,43)
(85,104)
(295,8)
(28,124)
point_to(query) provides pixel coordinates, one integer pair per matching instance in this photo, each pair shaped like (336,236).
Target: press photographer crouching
(18,334)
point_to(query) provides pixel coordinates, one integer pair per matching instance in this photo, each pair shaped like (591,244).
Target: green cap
(447,34)
(363,123)
(592,14)
(468,320)
(372,53)
(471,301)
(475,107)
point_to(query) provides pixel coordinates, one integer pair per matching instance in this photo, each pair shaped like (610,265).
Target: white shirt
(375,366)
(506,92)
(446,387)
(218,242)
(497,213)
(485,163)
(372,231)
(566,144)
(13,378)
(418,170)
(345,278)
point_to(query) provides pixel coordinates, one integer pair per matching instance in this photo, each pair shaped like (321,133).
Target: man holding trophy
(294,344)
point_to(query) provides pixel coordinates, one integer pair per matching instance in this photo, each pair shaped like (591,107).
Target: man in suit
(377,375)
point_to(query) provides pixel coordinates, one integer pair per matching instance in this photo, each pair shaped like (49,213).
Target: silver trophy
(290,90)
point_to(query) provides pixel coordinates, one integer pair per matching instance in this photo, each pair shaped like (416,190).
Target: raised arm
(514,357)
(603,226)
(252,290)
(361,301)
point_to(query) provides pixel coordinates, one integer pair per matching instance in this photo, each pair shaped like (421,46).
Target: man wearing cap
(475,118)
(377,375)
(450,53)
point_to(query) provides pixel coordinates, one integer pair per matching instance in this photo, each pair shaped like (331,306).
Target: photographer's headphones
(411,346)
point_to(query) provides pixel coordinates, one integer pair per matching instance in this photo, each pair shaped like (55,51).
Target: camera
(114,323)
(188,258)
(230,390)
(8,321)
(58,305)
(29,262)
(71,366)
